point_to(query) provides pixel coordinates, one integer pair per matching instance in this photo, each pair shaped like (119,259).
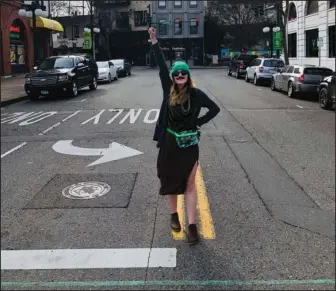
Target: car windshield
(318,71)
(57,63)
(102,65)
(118,62)
(273,63)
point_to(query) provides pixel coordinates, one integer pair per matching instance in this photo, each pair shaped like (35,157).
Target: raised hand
(152,35)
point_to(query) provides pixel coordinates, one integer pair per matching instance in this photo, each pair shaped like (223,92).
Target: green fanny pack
(185,139)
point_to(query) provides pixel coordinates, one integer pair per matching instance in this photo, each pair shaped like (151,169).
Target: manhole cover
(86,190)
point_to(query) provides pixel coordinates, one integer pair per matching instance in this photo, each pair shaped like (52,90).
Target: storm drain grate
(85,191)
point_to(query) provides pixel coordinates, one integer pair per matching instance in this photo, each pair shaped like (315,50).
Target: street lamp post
(271,30)
(95,30)
(32,11)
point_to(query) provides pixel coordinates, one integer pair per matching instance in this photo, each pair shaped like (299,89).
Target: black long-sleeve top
(173,116)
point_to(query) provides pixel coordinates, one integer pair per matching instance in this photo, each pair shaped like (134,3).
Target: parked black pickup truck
(327,91)
(239,63)
(61,75)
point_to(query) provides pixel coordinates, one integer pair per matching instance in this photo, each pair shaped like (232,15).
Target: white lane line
(88,258)
(50,128)
(71,115)
(83,100)
(59,123)
(299,106)
(13,149)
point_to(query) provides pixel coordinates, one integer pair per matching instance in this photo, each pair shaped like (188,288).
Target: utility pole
(91,22)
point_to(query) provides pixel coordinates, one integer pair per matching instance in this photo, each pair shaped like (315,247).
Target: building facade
(180,29)
(310,22)
(71,39)
(123,25)
(16,43)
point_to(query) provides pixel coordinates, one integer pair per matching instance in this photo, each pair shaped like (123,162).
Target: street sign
(277,40)
(166,22)
(320,42)
(114,152)
(87,41)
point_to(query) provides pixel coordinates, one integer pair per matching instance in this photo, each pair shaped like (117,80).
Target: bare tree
(241,22)
(61,8)
(282,8)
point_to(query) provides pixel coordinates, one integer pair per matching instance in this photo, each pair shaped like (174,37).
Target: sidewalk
(12,90)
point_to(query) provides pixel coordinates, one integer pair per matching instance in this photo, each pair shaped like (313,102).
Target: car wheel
(247,79)
(229,72)
(73,89)
(93,85)
(290,91)
(109,78)
(324,100)
(273,85)
(255,80)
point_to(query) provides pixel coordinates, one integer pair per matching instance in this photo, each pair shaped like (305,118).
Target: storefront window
(163,29)
(292,45)
(193,26)
(17,48)
(311,43)
(332,41)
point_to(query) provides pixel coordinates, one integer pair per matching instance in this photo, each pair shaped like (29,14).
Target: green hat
(179,66)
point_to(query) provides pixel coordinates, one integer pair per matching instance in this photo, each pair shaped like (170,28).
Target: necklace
(186,111)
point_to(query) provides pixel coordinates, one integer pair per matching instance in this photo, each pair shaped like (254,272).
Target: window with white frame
(193,26)
(311,43)
(332,41)
(178,4)
(162,3)
(177,28)
(312,6)
(193,4)
(163,28)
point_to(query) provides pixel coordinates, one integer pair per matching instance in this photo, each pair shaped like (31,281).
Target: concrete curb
(14,100)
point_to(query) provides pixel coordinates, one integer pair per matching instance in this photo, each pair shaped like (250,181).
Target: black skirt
(174,165)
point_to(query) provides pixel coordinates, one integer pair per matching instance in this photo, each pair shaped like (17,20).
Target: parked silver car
(263,69)
(295,79)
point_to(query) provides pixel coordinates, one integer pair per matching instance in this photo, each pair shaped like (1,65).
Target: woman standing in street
(177,135)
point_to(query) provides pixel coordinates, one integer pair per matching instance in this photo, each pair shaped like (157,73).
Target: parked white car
(107,71)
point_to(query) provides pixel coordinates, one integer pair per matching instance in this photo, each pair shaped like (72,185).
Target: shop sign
(14,32)
(87,41)
(277,40)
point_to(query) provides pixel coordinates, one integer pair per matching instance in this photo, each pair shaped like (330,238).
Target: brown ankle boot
(193,236)
(175,223)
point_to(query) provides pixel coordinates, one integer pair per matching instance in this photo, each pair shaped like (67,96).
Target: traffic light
(197,22)
(180,22)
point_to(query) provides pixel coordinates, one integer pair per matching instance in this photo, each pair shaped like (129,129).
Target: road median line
(207,229)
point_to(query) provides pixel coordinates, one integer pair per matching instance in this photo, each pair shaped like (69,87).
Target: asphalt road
(266,192)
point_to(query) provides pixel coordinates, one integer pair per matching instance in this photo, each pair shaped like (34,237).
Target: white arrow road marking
(114,152)
(88,259)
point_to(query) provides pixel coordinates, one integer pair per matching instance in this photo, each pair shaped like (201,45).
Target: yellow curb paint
(180,210)
(207,229)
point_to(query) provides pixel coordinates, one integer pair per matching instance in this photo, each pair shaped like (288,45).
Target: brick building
(16,42)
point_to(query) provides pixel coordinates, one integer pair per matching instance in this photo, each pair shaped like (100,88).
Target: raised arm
(166,81)
(206,102)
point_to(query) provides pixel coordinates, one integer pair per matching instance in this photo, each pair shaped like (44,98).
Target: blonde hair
(180,96)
